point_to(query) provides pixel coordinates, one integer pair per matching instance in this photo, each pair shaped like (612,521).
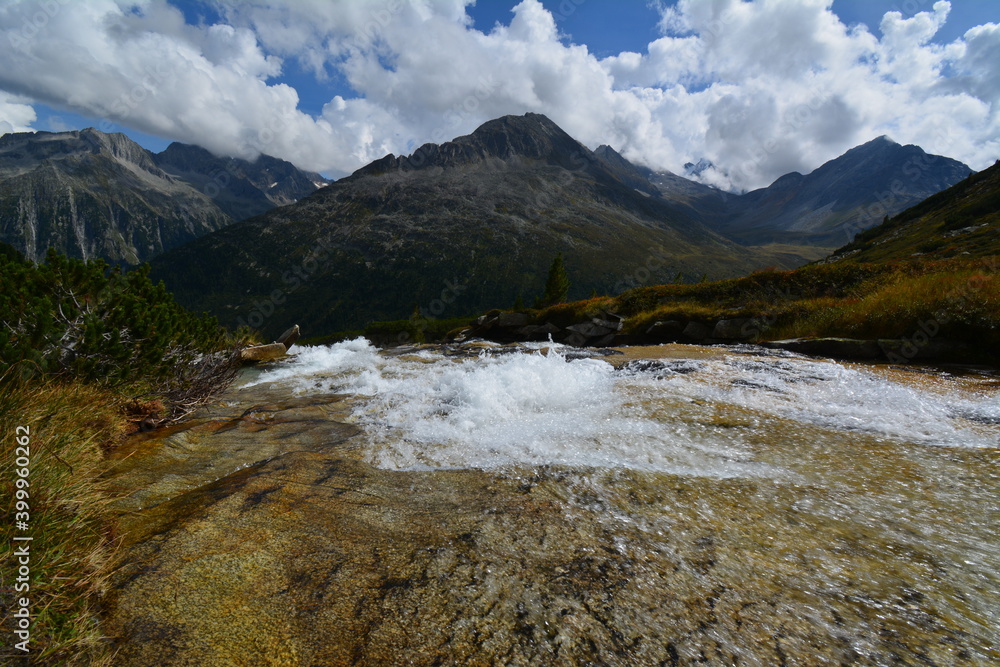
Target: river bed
(539,504)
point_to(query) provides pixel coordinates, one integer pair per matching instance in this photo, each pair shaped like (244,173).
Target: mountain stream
(543,505)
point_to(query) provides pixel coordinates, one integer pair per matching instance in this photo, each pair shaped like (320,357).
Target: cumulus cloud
(758,88)
(16,114)
(780,86)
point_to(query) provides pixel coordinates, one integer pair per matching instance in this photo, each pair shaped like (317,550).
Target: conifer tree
(557,285)
(92,322)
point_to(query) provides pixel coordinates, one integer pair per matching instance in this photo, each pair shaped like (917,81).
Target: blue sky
(759,88)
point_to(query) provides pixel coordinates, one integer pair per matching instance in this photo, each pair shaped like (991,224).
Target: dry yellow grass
(73,545)
(957,299)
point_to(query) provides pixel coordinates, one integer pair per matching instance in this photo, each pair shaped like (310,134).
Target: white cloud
(784,85)
(16,114)
(759,88)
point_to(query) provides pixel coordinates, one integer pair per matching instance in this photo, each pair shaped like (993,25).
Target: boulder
(900,351)
(732,329)
(258,353)
(487,321)
(538,331)
(599,331)
(591,329)
(668,330)
(289,337)
(837,348)
(603,342)
(609,320)
(511,320)
(697,331)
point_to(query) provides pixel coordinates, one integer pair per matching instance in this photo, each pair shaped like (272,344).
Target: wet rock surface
(259,534)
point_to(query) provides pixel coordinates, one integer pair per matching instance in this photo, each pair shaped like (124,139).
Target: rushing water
(532,406)
(677,504)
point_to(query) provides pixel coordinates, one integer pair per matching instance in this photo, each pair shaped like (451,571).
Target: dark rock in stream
(289,337)
(661,368)
(696,332)
(837,348)
(893,350)
(601,330)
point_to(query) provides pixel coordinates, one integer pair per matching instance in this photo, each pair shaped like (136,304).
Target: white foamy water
(827,394)
(309,362)
(532,409)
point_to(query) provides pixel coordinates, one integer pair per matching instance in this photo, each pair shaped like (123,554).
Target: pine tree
(93,322)
(557,285)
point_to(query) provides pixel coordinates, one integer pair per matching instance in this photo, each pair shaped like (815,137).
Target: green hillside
(962,221)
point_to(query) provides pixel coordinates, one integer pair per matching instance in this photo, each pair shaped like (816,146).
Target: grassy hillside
(962,221)
(955,301)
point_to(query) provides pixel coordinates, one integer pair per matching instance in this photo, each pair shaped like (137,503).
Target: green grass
(73,547)
(960,222)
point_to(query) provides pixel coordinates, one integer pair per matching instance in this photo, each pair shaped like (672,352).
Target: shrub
(86,321)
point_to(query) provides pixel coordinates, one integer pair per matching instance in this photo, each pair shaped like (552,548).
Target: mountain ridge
(488,211)
(832,203)
(91,194)
(241,188)
(531,136)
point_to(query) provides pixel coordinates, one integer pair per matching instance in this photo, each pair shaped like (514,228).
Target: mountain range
(844,196)
(451,229)
(475,222)
(90,194)
(825,208)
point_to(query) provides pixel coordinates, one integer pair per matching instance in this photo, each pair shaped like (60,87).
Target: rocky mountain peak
(531,136)
(695,169)
(117,145)
(634,176)
(883,139)
(239,187)
(21,151)
(93,194)
(830,204)
(185,156)
(879,145)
